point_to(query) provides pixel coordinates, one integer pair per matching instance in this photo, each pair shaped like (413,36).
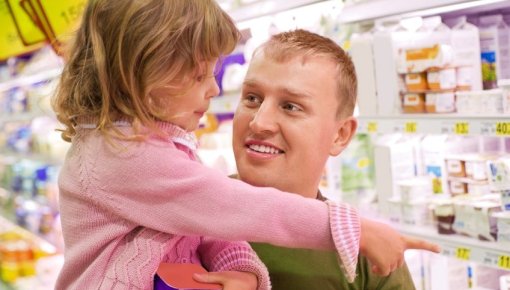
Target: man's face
(285,126)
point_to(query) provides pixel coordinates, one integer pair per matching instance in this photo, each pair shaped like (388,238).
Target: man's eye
(252,100)
(291,107)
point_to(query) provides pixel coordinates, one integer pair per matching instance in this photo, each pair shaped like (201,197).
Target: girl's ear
(346,130)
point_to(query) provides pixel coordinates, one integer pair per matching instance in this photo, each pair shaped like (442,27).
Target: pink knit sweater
(127,208)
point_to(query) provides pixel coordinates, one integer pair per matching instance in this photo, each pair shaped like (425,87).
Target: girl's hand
(384,247)
(231,280)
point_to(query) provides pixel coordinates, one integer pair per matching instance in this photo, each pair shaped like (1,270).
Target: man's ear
(346,130)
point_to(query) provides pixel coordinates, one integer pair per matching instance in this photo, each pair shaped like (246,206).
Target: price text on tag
(461,128)
(372,127)
(410,127)
(463,253)
(503,128)
(504,262)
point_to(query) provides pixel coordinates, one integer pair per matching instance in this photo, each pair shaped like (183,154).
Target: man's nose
(264,119)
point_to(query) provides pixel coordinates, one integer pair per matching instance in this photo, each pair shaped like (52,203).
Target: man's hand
(231,280)
(384,247)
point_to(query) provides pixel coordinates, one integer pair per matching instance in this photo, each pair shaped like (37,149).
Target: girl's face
(186,109)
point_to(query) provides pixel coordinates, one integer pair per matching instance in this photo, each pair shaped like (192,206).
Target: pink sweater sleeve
(155,185)
(218,255)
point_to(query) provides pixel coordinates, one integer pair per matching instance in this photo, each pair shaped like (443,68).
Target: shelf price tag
(410,127)
(372,127)
(461,128)
(504,262)
(463,253)
(503,128)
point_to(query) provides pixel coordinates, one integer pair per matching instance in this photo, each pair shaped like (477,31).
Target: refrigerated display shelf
(437,124)
(370,10)
(23,117)
(7,225)
(39,157)
(263,8)
(464,248)
(25,80)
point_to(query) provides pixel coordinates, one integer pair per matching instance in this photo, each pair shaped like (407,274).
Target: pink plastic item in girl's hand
(179,277)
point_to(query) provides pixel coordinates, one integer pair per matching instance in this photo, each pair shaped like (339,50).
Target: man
(295,111)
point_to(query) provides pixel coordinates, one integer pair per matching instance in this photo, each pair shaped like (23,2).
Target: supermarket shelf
(226,104)
(43,158)
(437,124)
(263,8)
(464,248)
(7,225)
(380,9)
(23,117)
(30,79)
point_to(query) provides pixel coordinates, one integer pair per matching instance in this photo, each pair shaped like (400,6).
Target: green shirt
(304,269)
(296,269)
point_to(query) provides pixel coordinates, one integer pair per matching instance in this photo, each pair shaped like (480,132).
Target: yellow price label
(504,262)
(503,128)
(410,127)
(463,253)
(461,128)
(372,127)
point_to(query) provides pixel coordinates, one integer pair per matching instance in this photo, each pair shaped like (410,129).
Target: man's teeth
(264,149)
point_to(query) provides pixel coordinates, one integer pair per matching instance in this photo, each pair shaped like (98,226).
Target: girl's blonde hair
(126,48)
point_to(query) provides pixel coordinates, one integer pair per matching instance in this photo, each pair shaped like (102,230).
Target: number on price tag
(372,127)
(461,128)
(504,262)
(410,127)
(463,253)
(503,128)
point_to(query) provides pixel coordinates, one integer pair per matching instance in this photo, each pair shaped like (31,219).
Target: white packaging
(362,55)
(499,174)
(504,85)
(478,188)
(504,282)
(469,102)
(494,46)
(464,78)
(423,58)
(414,189)
(444,79)
(486,277)
(485,223)
(394,158)
(503,224)
(416,213)
(505,199)
(447,273)
(394,212)
(440,102)
(458,187)
(492,102)
(465,41)
(385,45)
(434,149)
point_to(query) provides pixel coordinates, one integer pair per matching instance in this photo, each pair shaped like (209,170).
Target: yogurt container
(503,225)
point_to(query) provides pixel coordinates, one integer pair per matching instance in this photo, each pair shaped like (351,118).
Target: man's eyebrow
(250,83)
(295,94)
(282,90)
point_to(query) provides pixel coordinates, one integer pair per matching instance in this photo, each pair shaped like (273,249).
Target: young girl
(138,78)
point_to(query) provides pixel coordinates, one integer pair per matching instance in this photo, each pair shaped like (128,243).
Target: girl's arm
(157,186)
(225,256)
